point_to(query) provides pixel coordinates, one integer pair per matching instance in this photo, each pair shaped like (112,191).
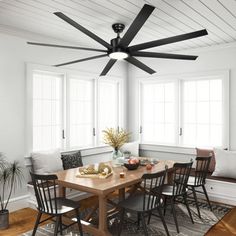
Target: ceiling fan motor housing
(118,28)
(115,45)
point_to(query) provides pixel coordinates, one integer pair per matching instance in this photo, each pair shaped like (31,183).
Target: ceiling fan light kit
(119,48)
(118,55)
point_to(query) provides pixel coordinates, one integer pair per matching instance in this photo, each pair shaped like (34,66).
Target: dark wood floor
(21,221)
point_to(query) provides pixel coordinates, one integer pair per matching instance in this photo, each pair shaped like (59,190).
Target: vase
(115,155)
(4,219)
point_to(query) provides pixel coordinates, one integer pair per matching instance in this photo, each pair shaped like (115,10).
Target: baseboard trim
(18,203)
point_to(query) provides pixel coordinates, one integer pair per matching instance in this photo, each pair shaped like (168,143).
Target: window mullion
(95,111)
(179,109)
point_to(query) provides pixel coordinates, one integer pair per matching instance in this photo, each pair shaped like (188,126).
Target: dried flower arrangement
(115,138)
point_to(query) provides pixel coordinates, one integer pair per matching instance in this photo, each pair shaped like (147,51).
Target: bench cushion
(225,163)
(46,162)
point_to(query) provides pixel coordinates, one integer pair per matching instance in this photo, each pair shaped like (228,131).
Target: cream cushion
(132,147)
(225,163)
(46,162)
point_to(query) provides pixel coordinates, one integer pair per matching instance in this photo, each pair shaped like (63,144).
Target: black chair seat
(137,203)
(168,190)
(191,181)
(62,206)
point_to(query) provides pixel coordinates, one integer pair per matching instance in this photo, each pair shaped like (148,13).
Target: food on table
(144,161)
(96,169)
(148,166)
(133,161)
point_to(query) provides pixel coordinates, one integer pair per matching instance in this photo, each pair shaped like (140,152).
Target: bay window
(69,111)
(191,111)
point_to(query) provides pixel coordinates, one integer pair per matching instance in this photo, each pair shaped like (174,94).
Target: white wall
(210,59)
(15,53)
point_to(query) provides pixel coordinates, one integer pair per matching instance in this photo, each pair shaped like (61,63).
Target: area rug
(155,228)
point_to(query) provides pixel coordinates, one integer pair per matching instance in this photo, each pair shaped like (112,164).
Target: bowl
(131,166)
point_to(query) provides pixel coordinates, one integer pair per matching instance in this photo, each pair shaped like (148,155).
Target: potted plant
(11,176)
(116,139)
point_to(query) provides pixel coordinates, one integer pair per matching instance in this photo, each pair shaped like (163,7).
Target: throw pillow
(225,163)
(46,162)
(207,153)
(71,160)
(132,147)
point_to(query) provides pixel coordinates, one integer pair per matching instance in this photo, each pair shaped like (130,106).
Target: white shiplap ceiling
(170,18)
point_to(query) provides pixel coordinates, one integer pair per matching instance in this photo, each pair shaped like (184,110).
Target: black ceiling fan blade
(80,60)
(163,55)
(169,40)
(140,65)
(108,66)
(69,47)
(82,29)
(137,24)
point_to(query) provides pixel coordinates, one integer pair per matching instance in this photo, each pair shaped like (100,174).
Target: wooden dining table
(103,187)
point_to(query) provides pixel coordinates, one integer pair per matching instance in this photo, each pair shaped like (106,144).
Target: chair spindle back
(202,166)
(45,192)
(153,184)
(180,177)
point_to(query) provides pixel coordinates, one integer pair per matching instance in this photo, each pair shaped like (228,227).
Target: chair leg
(139,220)
(205,192)
(56,225)
(165,201)
(60,224)
(195,198)
(149,217)
(122,215)
(187,206)
(144,225)
(174,214)
(163,221)
(37,223)
(79,222)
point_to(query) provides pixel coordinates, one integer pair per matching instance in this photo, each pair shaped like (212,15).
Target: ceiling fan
(119,47)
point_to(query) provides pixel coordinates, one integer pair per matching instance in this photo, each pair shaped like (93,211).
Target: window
(191,112)
(47,111)
(202,112)
(108,102)
(81,121)
(158,112)
(70,111)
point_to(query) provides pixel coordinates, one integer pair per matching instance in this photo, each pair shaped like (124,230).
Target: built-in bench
(220,189)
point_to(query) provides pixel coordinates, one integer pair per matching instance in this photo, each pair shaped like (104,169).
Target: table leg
(62,191)
(169,177)
(121,194)
(103,216)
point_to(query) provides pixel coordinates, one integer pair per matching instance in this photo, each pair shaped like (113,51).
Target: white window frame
(30,69)
(67,73)
(67,106)
(223,74)
(119,104)
(154,81)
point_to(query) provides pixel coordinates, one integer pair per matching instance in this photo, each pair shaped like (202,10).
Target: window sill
(89,151)
(168,149)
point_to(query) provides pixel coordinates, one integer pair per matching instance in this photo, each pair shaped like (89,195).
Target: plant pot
(4,219)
